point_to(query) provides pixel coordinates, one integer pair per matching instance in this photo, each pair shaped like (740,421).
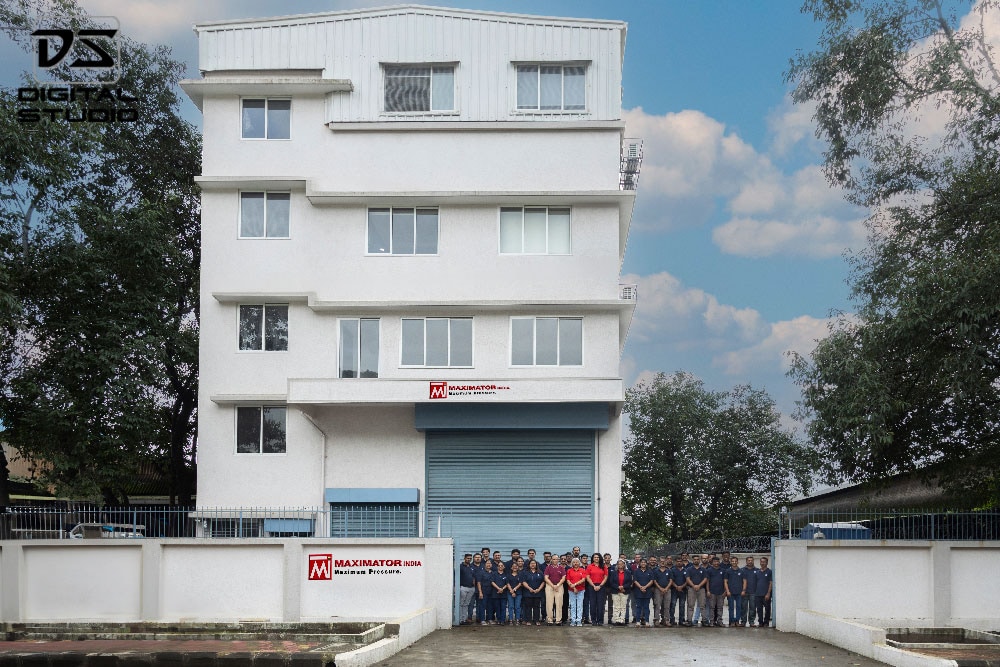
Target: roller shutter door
(506,489)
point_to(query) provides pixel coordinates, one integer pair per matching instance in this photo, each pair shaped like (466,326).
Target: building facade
(413,226)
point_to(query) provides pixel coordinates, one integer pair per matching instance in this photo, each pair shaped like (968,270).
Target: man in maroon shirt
(555,577)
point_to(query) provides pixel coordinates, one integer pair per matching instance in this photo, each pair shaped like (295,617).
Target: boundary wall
(227,580)
(887,583)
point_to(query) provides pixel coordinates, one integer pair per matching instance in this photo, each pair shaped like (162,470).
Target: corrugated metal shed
(486,46)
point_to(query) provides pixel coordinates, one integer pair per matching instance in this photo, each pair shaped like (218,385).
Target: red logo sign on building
(320,567)
(439,390)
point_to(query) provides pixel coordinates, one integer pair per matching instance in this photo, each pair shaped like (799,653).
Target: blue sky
(737,244)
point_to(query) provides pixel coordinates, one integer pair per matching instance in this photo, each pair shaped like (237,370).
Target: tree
(701,463)
(98,367)
(907,101)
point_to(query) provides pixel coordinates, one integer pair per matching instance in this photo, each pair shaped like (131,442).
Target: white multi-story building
(413,225)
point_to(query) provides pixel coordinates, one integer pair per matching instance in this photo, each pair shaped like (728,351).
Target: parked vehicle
(107,530)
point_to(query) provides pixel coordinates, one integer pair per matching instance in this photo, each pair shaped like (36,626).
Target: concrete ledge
(406,630)
(866,640)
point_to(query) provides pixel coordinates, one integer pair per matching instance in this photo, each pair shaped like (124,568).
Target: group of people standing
(576,589)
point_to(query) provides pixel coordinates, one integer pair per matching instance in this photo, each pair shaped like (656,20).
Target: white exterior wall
(182,580)
(353,45)
(494,158)
(887,583)
(344,156)
(325,256)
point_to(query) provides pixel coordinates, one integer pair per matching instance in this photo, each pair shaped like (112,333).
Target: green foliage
(901,91)
(913,378)
(701,464)
(99,237)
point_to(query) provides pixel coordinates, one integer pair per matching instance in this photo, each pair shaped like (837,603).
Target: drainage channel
(229,644)
(968,648)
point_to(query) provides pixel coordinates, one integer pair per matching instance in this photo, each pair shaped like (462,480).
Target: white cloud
(797,214)
(792,125)
(818,237)
(161,21)
(149,20)
(683,328)
(688,318)
(689,161)
(770,353)
(693,168)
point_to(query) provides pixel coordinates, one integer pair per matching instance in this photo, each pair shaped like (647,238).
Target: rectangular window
(403,231)
(359,348)
(546,341)
(264,327)
(552,87)
(419,88)
(234,527)
(372,520)
(267,119)
(534,231)
(264,215)
(437,341)
(260,430)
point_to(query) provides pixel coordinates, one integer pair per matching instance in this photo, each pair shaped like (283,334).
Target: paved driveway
(611,646)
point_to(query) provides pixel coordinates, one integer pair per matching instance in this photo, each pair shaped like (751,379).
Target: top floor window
(419,88)
(551,87)
(267,119)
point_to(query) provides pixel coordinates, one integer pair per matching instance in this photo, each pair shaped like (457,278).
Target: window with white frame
(546,341)
(437,341)
(260,429)
(264,327)
(266,118)
(402,231)
(412,88)
(534,230)
(359,348)
(552,87)
(264,215)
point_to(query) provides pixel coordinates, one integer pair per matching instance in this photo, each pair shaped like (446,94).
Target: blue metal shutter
(506,489)
(374,520)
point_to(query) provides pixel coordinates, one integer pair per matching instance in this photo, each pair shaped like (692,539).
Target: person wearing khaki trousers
(555,575)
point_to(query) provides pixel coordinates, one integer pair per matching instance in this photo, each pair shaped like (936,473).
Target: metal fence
(756,544)
(922,524)
(335,520)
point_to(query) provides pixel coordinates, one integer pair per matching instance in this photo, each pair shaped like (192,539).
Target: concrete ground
(605,646)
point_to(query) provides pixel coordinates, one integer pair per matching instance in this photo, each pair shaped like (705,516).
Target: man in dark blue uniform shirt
(678,593)
(466,588)
(762,593)
(735,588)
(716,592)
(696,582)
(749,599)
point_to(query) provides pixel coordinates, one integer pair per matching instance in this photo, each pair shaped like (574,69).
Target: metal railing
(335,520)
(756,544)
(891,524)
(630,164)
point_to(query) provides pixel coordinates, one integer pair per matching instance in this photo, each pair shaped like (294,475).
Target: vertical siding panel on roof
(353,47)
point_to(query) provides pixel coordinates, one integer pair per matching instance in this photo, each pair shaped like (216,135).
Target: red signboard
(320,567)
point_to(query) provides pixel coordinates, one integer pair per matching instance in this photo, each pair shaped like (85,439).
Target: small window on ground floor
(374,520)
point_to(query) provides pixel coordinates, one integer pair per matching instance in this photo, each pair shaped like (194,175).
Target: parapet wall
(888,583)
(200,580)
